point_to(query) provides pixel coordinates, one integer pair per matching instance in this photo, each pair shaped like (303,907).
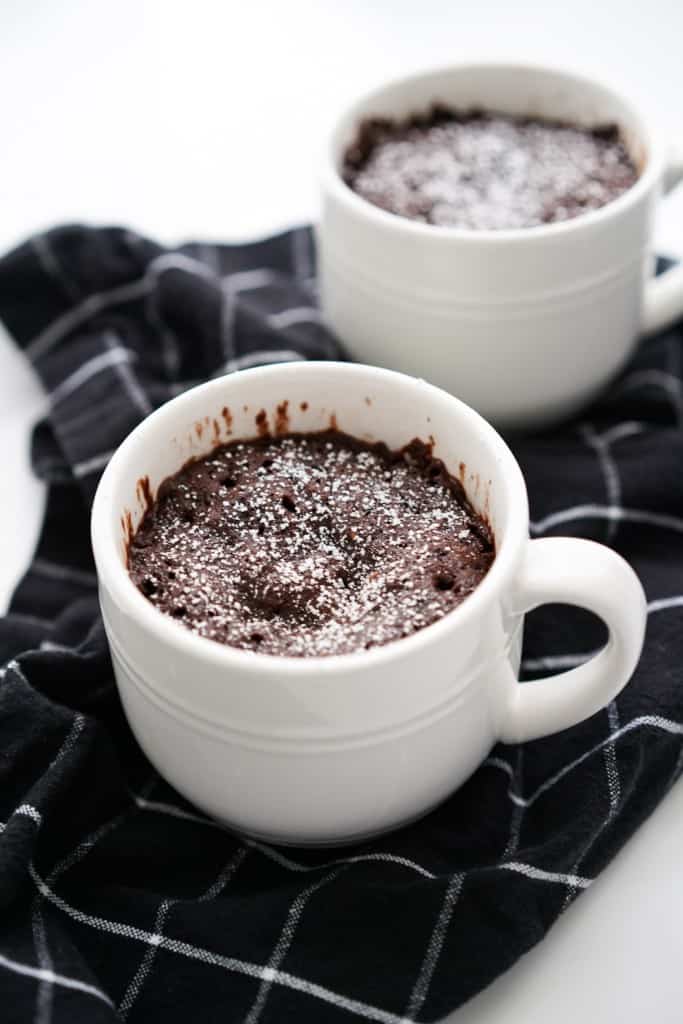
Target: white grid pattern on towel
(231,286)
(559,661)
(91,368)
(283,943)
(517,811)
(145,967)
(276,855)
(434,947)
(529,870)
(207,956)
(609,470)
(44,993)
(121,367)
(600,445)
(297,315)
(642,722)
(260,972)
(119,362)
(50,978)
(63,573)
(594,511)
(92,465)
(270,973)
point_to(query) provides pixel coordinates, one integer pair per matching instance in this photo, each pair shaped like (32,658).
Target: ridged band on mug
(302,741)
(445,302)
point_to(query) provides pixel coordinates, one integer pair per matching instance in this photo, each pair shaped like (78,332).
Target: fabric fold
(120,900)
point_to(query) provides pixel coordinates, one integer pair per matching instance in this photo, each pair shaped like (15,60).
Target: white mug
(335,749)
(524,325)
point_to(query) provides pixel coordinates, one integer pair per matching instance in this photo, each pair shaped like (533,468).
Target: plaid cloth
(118,900)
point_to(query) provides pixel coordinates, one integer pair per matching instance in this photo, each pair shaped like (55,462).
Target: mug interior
(516,89)
(370,403)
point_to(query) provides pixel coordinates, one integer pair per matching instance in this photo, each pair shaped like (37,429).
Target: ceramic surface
(524,325)
(328,750)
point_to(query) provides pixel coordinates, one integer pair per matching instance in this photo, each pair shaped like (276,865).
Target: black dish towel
(117,899)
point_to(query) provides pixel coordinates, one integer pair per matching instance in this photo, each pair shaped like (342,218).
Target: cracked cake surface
(310,545)
(486,171)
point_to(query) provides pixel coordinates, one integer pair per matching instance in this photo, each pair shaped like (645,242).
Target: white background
(205,120)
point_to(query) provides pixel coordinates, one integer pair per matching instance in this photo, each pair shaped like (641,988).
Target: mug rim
(113,575)
(384,220)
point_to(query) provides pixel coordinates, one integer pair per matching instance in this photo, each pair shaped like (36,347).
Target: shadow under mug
(334,749)
(525,325)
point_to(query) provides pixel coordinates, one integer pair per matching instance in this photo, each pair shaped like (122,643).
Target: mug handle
(663,302)
(568,570)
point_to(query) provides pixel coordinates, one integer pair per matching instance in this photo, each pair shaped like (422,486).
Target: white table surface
(205,121)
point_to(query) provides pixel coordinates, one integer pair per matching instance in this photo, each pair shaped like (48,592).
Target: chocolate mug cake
(310,544)
(483,170)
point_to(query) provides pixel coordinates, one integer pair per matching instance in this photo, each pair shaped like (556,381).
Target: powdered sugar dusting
(310,545)
(487,171)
